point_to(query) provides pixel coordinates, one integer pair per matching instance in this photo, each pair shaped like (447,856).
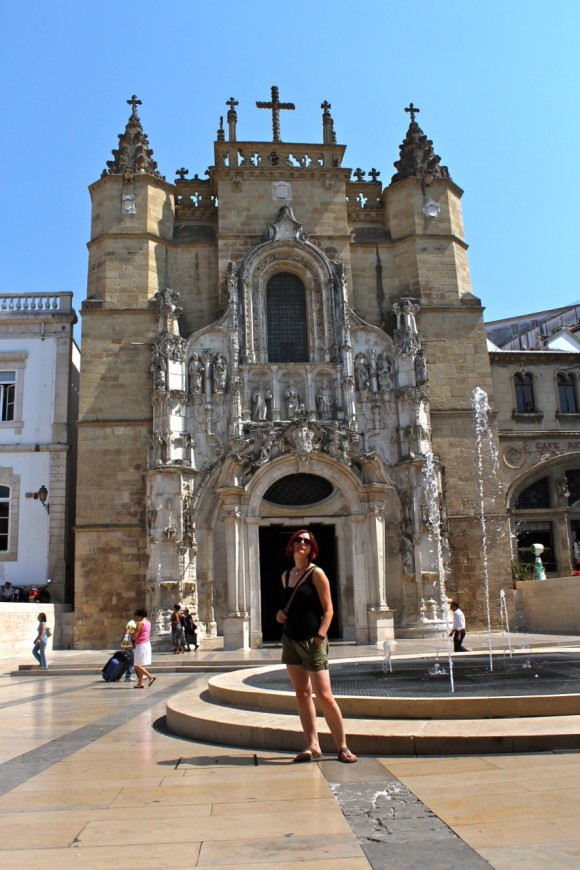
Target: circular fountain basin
(519,685)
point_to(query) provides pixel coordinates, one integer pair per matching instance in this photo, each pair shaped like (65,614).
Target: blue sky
(497,83)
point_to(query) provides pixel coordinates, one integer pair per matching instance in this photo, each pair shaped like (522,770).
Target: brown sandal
(346,756)
(306,756)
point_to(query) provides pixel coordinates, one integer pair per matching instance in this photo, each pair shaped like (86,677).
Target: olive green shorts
(305,653)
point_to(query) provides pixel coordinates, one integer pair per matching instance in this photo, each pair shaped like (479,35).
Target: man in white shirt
(458,630)
(7,591)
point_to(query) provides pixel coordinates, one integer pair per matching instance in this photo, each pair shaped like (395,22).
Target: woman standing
(306,617)
(39,648)
(142,652)
(177,632)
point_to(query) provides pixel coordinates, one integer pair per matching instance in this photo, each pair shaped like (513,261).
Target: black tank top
(305,612)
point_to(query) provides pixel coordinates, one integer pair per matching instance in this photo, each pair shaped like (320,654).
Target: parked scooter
(36,594)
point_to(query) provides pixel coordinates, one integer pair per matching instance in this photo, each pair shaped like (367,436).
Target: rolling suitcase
(116,666)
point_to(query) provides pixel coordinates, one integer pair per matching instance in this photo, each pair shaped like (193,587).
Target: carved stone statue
(421,375)
(159,370)
(406,335)
(562,490)
(169,311)
(408,555)
(195,374)
(220,374)
(260,398)
(324,401)
(292,401)
(384,374)
(361,370)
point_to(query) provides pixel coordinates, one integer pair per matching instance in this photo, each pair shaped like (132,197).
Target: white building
(39,368)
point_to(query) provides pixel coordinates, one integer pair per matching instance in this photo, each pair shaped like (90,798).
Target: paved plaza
(89,777)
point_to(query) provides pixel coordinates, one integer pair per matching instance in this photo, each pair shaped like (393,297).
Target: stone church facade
(279,344)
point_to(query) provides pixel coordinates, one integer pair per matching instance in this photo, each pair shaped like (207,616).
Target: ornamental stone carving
(406,336)
(260,399)
(196,374)
(219,373)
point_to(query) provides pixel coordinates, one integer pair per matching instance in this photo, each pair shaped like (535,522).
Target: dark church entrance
(273,563)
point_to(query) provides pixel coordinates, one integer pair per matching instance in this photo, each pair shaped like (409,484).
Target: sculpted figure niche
(361,369)
(195,371)
(260,398)
(384,372)
(292,401)
(324,401)
(220,374)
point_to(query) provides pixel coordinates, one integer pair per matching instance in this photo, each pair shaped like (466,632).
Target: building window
(567,393)
(523,382)
(299,489)
(536,533)
(535,497)
(286,318)
(7,395)
(4,518)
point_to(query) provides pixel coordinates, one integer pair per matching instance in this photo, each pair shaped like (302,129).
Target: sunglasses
(301,540)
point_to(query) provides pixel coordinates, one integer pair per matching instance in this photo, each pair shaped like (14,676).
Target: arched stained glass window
(298,489)
(537,495)
(286,319)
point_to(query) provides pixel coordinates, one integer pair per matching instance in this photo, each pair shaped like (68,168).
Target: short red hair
(313,544)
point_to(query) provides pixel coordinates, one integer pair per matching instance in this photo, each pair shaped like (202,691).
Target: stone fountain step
(86,669)
(197,716)
(231,712)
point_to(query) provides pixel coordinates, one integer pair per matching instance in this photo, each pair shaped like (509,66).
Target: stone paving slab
(84,735)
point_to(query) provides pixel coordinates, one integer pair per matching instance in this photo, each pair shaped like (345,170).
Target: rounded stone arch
(555,523)
(316,273)
(546,467)
(342,478)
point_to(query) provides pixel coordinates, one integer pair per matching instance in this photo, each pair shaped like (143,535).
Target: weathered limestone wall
(114,425)
(18,624)
(550,606)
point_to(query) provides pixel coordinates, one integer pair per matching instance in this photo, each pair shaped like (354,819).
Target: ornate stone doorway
(273,562)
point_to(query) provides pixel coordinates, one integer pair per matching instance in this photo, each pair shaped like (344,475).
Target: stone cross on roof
(275,105)
(134,102)
(413,110)
(232,118)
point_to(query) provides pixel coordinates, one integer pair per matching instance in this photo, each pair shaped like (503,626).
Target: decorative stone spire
(328,134)
(232,119)
(133,156)
(418,160)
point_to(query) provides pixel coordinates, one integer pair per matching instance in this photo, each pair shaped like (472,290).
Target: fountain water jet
(481,410)
(505,620)
(434,523)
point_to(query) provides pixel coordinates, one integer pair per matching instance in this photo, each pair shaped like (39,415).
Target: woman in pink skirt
(142,652)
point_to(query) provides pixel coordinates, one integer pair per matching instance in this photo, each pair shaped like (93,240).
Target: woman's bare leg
(142,672)
(320,681)
(306,710)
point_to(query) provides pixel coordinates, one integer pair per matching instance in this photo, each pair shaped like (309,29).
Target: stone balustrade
(32,303)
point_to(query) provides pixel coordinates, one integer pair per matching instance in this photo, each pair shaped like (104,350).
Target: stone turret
(130,199)
(417,157)
(133,156)
(422,208)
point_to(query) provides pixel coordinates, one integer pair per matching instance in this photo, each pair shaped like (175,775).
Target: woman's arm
(322,586)
(280,615)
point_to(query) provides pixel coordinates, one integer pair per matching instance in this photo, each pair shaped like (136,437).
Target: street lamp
(42,497)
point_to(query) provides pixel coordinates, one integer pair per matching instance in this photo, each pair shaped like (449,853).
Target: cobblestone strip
(394,828)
